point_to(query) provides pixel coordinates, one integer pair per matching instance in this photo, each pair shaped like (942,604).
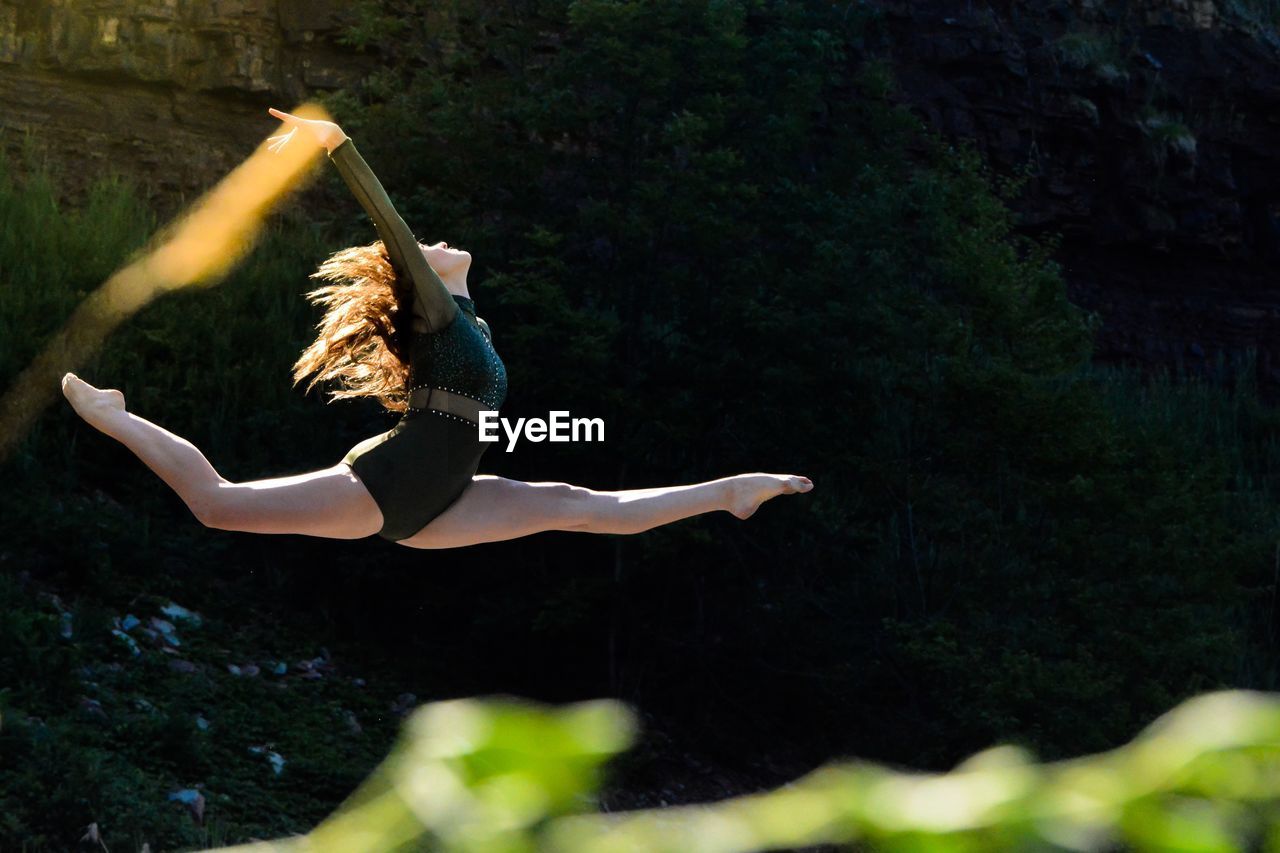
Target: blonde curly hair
(362,337)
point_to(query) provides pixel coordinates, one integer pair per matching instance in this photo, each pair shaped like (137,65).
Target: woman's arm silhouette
(432,301)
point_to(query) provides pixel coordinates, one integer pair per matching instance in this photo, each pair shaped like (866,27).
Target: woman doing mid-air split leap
(401,327)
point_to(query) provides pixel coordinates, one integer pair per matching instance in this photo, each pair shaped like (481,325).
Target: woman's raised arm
(432,300)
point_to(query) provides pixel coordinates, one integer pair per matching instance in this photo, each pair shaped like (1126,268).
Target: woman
(401,327)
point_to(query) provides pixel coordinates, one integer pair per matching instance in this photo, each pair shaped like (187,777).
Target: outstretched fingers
(325,133)
(278,142)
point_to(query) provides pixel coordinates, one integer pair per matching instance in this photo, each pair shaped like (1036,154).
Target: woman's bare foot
(98,406)
(748,491)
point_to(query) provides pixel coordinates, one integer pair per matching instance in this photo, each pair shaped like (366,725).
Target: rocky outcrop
(171,92)
(1150,135)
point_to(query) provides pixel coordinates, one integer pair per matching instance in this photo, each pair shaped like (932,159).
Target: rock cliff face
(171,92)
(1150,129)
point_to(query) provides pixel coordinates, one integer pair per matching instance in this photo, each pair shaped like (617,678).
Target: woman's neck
(456,284)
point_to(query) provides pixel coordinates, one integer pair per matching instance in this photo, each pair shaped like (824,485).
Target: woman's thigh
(494,508)
(331,503)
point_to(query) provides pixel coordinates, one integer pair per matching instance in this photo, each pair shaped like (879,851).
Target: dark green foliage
(1265,13)
(785,272)
(93,733)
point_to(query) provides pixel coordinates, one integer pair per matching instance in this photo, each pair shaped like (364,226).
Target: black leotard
(419,467)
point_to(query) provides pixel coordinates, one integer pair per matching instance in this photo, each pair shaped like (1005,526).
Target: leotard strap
(432,301)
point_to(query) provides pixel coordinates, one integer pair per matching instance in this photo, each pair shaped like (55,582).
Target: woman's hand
(326,133)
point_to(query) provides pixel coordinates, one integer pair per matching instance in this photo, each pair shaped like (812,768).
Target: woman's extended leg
(332,503)
(495,508)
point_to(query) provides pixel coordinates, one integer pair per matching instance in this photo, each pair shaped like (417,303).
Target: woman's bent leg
(495,508)
(331,503)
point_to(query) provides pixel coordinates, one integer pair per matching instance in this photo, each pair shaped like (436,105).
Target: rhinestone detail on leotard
(460,359)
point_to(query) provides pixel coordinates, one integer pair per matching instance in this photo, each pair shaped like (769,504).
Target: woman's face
(445,259)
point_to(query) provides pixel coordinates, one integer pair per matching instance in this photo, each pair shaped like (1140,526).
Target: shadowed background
(719,229)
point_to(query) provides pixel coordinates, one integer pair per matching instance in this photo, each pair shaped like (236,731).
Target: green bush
(500,775)
(1099,53)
